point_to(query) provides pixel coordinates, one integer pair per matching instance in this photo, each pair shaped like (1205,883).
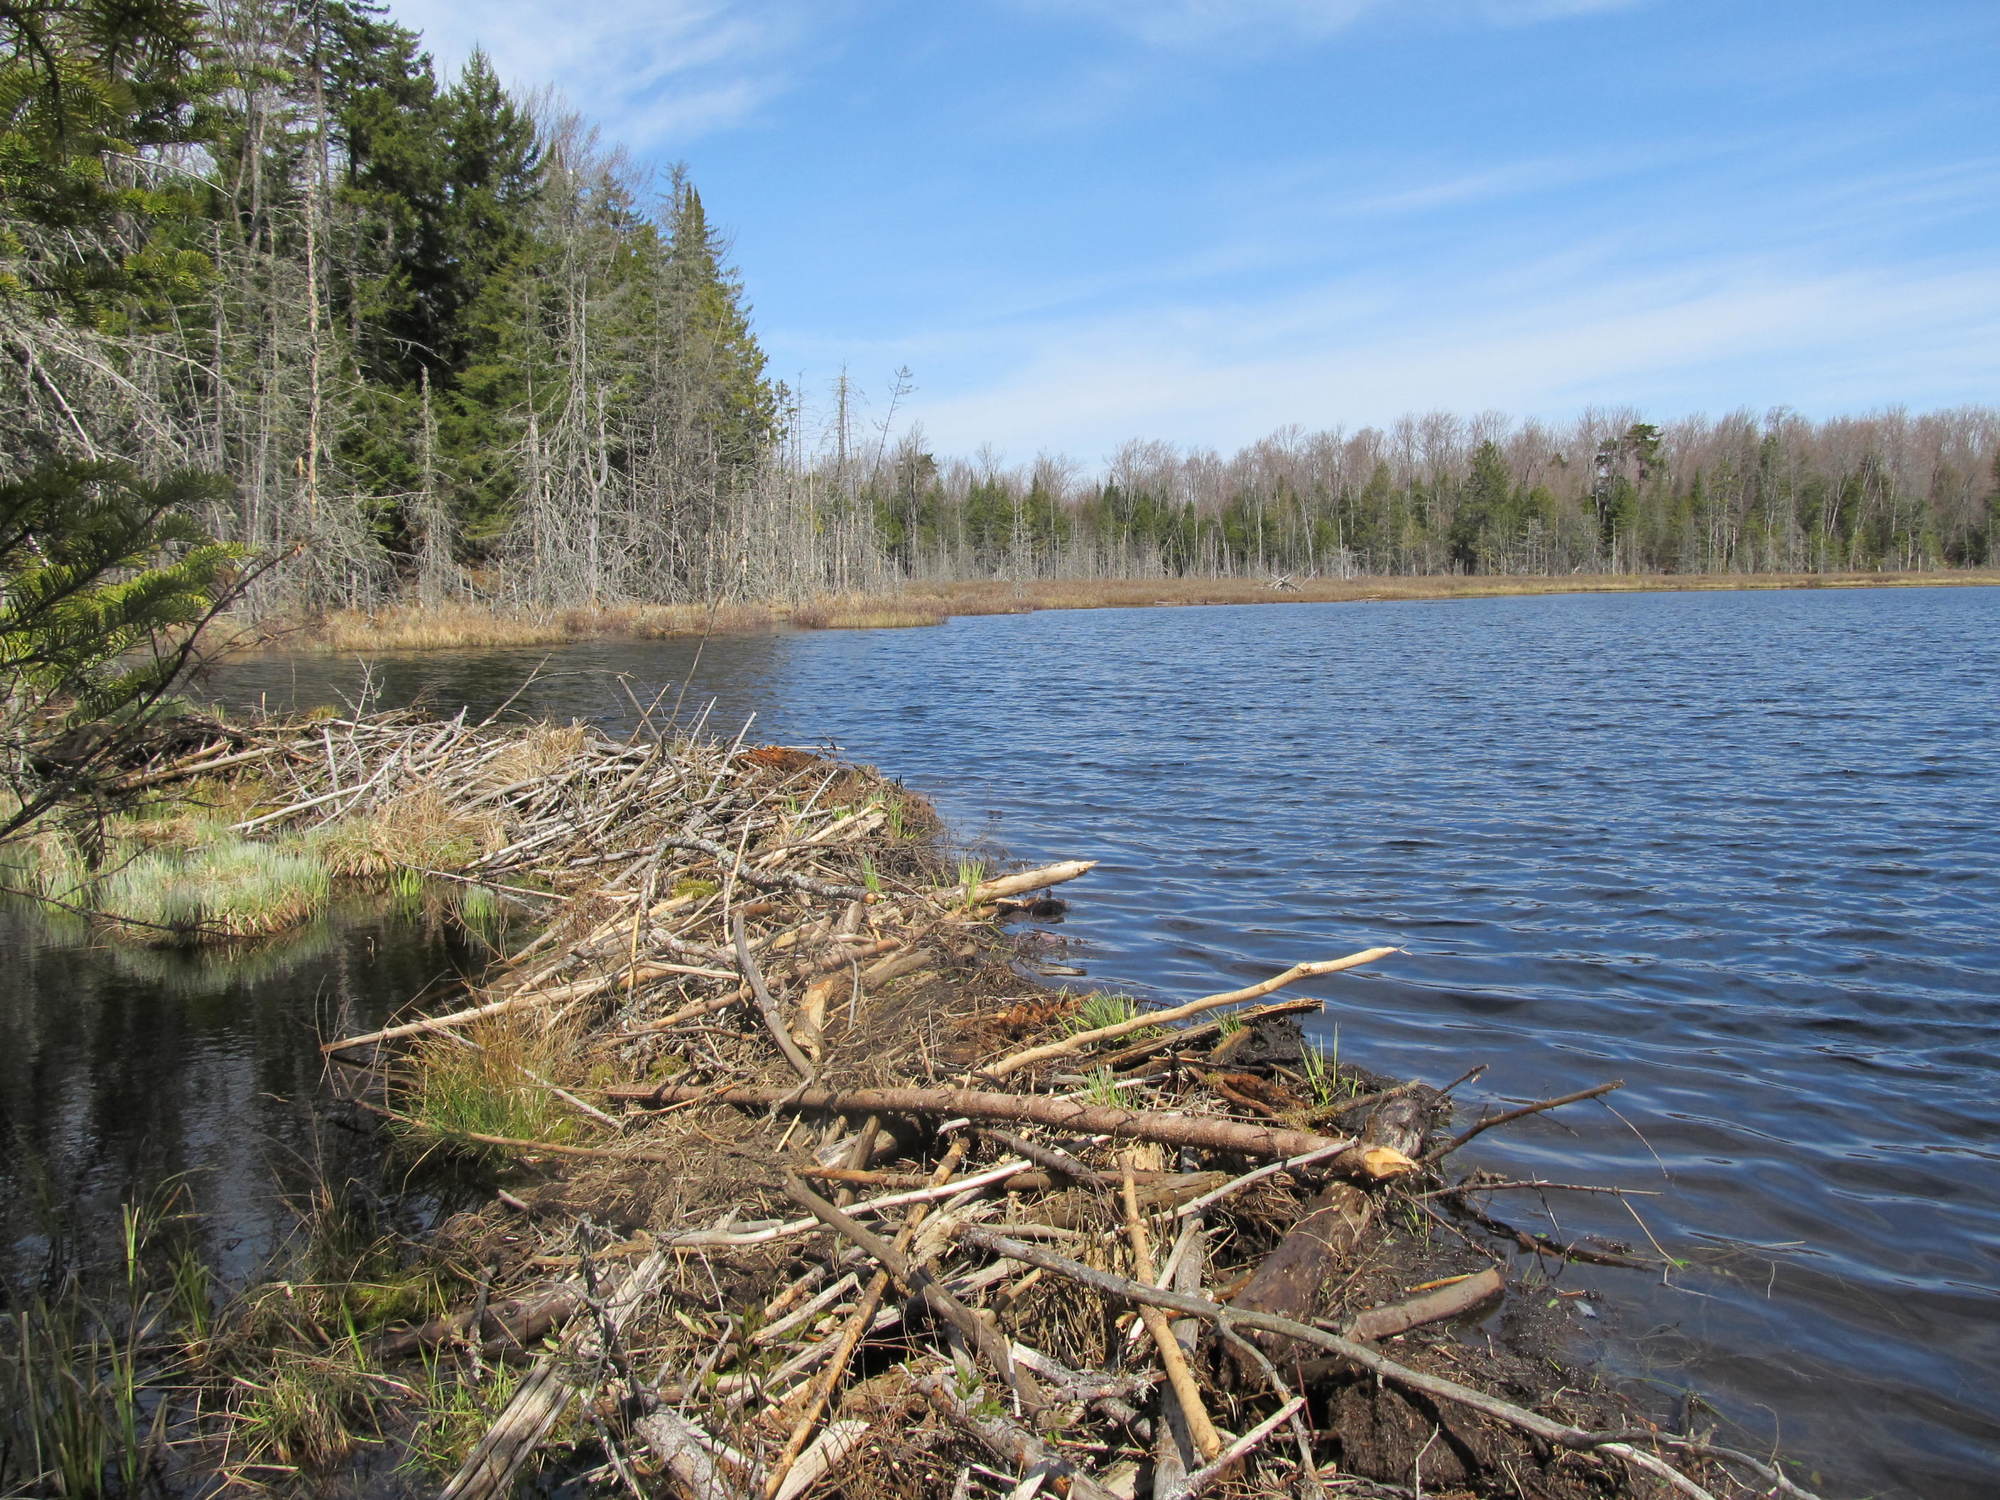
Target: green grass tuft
(1101,1010)
(1102,1088)
(462,1091)
(237,889)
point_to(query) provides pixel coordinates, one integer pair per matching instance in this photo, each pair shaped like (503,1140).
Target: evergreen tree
(104,578)
(87,89)
(1477,527)
(387,125)
(491,182)
(735,408)
(1991,518)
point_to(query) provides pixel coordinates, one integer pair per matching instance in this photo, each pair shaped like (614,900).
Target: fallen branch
(687,1453)
(528,998)
(1007,1441)
(1084,1039)
(540,1400)
(766,1006)
(765,880)
(1187,1036)
(1432,1307)
(1236,1452)
(1536,1108)
(1289,1279)
(1541,1244)
(1021,884)
(920,1283)
(855,1329)
(1168,1127)
(512,1324)
(1207,1441)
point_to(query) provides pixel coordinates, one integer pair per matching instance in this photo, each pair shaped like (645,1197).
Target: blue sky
(1082,221)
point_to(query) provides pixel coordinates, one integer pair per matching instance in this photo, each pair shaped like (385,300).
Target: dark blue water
(1739,850)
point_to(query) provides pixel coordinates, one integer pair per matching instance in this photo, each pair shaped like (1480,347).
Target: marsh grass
(878,615)
(465,626)
(478,911)
(172,870)
(418,830)
(294,1385)
(165,873)
(48,862)
(1002,596)
(971,875)
(85,1367)
(1102,1088)
(303,1410)
(77,1394)
(485,1082)
(456,1411)
(231,889)
(535,750)
(449,627)
(1321,1068)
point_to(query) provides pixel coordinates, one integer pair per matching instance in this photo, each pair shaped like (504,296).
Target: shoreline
(812,960)
(471,626)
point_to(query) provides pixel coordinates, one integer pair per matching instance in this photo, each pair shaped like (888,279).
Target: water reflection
(123,1069)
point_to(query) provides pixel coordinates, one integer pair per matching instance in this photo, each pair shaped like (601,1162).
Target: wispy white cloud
(1734,330)
(654,75)
(1191,23)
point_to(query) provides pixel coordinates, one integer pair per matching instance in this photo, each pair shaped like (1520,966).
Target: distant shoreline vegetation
(468,626)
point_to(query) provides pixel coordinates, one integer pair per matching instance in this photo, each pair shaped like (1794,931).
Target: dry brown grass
(461,627)
(868,612)
(536,750)
(416,829)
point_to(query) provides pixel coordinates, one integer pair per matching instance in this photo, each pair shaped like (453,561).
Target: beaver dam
(791,1184)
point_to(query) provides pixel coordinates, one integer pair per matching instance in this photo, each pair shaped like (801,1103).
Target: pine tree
(491,182)
(1482,507)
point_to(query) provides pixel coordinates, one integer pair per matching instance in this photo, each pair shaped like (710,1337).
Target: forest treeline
(1440,493)
(445,343)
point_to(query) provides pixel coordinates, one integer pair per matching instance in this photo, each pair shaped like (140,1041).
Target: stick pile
(837,1203)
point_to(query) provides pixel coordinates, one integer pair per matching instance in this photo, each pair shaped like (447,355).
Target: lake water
(1739,850)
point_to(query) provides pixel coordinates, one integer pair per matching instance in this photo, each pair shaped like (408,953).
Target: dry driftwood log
(1028,880)
(1450,1301)
(509,1325)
